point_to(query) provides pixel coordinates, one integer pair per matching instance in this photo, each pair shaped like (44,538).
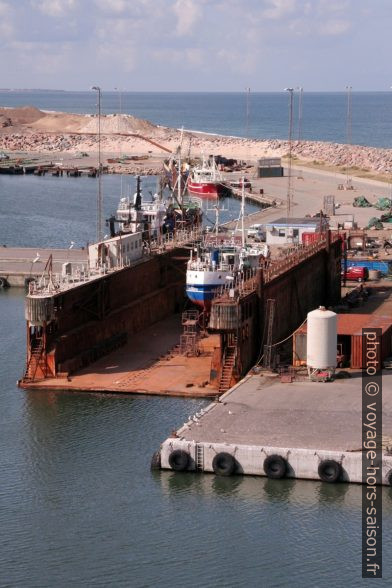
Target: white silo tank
(321,343)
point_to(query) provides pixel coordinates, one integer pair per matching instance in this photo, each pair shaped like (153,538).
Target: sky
(196,45)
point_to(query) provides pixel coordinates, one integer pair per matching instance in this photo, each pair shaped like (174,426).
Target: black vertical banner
(371,453)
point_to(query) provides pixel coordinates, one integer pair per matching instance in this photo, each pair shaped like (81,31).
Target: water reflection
(264,490)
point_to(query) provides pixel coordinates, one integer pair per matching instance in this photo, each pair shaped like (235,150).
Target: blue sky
(191,45)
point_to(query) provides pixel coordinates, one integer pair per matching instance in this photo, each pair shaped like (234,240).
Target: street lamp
(301,90)
(289,197)
(99,195)
(348,137)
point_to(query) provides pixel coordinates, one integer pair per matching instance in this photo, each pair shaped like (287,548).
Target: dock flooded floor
(147,364)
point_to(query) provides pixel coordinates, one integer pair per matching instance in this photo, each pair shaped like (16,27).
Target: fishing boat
(155,217)
(219,260)
(206,180)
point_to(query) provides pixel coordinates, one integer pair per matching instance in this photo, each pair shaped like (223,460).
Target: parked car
(356,274)
(256,232)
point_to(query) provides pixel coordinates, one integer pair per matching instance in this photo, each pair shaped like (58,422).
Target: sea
(364,118)
(79,506)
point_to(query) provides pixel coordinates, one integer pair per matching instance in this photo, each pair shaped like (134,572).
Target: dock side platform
(306,423)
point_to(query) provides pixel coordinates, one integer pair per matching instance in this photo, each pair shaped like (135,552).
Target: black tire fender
(224,464)
(329,470)
(388,477)
(179,460)
(275,467)
(4,283)
(156,460)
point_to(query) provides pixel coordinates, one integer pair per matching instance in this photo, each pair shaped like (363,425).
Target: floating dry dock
(306,424)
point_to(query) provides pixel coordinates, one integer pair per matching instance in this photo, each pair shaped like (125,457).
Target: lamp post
(301,90)
(290,139)
(247,111)
(99,195)
(348,137)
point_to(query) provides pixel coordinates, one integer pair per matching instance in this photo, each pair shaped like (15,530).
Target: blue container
(384,267)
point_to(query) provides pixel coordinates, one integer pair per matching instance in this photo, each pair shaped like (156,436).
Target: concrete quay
(18,264)
(304,422)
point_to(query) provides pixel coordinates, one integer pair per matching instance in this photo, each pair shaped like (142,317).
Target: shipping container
(385,267)
(309,238)
(349,330)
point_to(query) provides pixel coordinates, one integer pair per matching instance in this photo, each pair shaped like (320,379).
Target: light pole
(348,137)
(247,111)
(301,90)
(289,197)
(99,195)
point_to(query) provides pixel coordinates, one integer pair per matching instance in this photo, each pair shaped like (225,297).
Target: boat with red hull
(206,181)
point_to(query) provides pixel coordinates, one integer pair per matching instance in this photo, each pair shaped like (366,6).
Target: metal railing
(54,283)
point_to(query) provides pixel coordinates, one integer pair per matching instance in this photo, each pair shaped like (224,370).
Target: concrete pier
(304,422)
(18,264)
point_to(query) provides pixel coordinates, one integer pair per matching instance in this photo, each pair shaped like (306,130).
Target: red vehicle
(357,274)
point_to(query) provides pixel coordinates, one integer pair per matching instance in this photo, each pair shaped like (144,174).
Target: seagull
(72,244)
(37,258)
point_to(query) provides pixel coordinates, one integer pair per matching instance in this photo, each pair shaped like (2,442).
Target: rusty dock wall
(92,319)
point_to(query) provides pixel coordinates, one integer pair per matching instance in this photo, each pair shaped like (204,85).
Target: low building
(283,230)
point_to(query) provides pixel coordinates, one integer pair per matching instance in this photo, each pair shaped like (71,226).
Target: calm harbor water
(324,114)
(79,506)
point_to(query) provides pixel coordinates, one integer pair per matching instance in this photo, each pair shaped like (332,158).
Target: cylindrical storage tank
(321,344)
(374,275)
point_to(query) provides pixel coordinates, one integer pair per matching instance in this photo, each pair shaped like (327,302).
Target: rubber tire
(156,460)
(4,283)
(275,467)
(179,460)
(224,464)
(329,470)
(389,477)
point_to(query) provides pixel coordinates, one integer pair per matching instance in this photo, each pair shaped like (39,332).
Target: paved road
(20,262)
(308,188)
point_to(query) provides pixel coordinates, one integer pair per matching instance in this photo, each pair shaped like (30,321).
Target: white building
(283,230)
(116,252)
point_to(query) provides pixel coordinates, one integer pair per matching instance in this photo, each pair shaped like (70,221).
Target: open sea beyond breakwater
(324,114)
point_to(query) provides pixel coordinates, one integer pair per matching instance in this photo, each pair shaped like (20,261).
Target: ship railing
(242,283)
(297,255)
(179,237)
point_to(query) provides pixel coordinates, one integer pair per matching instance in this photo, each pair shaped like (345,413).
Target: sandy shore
(29,131)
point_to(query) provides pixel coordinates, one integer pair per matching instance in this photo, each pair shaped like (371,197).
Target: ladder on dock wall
(199,458)
(34,361)
(227,369)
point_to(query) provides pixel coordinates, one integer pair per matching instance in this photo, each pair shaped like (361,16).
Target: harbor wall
(302,463)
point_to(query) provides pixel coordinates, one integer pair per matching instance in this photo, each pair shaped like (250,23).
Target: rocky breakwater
(31,130)
(370,159)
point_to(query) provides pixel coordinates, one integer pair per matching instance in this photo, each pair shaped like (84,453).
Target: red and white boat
(206,181)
